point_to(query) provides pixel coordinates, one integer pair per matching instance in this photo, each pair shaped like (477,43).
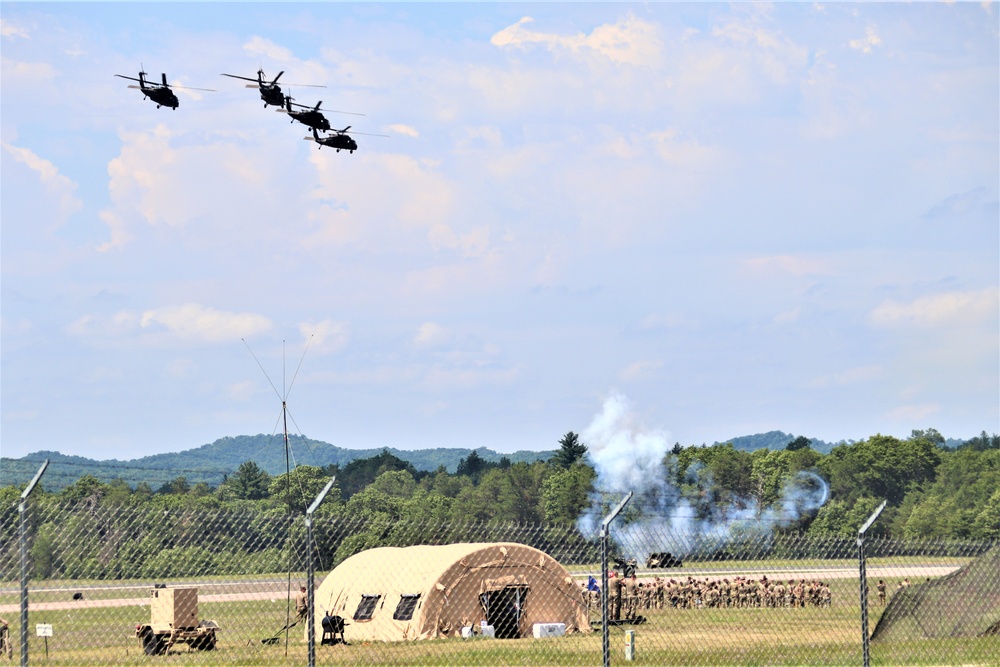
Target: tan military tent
(422,592)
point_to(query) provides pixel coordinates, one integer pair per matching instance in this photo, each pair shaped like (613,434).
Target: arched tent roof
(443,586)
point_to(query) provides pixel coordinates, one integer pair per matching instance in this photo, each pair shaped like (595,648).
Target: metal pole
(310,575)
(862,573)
(605,534)
(22,510)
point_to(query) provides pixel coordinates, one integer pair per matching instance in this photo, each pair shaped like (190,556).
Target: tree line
(933,491)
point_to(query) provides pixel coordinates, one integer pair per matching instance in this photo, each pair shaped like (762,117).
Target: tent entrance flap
(504,609)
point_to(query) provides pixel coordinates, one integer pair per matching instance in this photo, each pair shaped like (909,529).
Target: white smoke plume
(659,518)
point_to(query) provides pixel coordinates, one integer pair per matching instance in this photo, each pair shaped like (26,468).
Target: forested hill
(774,440)
(212,462)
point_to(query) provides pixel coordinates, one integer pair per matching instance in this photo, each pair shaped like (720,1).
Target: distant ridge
(775,440)
(212,462)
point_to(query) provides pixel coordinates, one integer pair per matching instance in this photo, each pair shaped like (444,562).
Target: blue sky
(733,218)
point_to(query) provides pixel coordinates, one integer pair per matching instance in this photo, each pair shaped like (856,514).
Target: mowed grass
(809,636)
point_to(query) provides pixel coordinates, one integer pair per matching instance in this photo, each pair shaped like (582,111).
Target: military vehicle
(174,620)
(662,559)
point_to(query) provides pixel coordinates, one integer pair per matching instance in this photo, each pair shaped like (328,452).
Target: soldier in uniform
(614,596)
(631,596)
(779,594)
(301,604)
(880,587)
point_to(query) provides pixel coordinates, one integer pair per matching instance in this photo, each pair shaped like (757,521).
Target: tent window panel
(366,607)
(405,608)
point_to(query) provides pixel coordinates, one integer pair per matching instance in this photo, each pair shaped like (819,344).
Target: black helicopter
(310,116)
(160,93)
(340,139)
(269,92)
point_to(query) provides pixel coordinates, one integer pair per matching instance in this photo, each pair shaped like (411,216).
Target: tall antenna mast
(283,397)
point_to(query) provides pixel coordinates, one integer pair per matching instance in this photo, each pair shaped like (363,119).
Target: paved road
(247,591)
(276,589)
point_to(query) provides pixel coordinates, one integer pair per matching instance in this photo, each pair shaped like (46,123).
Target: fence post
(310,593)
(605,642)
(22,510)
(864,581)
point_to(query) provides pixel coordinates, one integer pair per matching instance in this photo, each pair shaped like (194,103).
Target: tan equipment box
(173,608)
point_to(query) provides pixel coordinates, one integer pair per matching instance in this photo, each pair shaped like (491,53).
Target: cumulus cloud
(630,41)
(17,70)
(940,309)
(327,336)
(773,53)
(405,130)
(868,42)
(430,334)
(171,178)
(8,29)
(59,187)
(408,196)
(193,321)
(298,71)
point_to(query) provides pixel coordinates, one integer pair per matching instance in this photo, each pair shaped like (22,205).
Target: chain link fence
(113,586)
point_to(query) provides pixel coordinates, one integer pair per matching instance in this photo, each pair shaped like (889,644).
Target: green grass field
(809,636)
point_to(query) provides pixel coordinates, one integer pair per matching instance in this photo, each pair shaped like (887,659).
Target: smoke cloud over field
(628,457)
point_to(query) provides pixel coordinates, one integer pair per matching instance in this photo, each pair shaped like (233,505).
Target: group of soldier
(627,596)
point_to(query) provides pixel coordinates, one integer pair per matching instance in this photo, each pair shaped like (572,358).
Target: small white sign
(43,629)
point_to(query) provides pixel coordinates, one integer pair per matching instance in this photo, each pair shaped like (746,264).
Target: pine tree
(571,451)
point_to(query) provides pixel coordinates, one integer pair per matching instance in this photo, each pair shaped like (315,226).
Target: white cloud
(296,70)
(59,187)
(940,309)
(177,179)
(430,334)
(327,336)
(98,326)
(17,70)
(773,53)
(401,194)
(193,321)
(630,41)
(868,42)
(8,29)
(405,130)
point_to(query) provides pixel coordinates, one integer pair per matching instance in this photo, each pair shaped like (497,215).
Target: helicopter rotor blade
(245,78)
(277,77)
(130,78)
(207,90)
(165,84)
(349,113)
